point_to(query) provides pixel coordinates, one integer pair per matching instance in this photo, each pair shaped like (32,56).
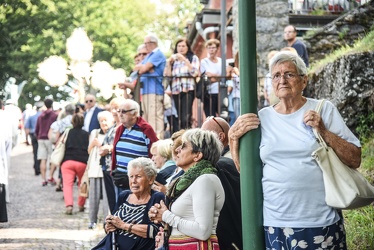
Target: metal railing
(323,7)
(194,110)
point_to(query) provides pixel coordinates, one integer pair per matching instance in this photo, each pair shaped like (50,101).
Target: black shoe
(59,188)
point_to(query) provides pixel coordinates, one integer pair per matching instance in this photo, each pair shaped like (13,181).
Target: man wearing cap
(30,130)
(44,144)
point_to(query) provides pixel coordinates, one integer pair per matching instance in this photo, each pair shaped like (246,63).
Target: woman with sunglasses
(133,139)
(195,199)
(183,66)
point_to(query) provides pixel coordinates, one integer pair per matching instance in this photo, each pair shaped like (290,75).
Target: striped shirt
(132,144)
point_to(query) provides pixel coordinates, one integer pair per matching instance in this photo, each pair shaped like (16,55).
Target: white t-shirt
(292,182)
(195,213)
(215,68)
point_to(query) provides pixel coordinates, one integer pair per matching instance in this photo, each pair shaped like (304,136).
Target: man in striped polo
(133,139)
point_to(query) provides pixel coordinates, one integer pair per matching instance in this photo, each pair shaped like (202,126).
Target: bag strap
(65,135)
(319,138)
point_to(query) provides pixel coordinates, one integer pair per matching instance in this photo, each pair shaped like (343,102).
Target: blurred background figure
(30,131)
(95,171)
(29,111)
(74,162)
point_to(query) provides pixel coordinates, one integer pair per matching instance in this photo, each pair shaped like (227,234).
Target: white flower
(318,239)
(288,231)
(293,242)
(327,242)
(271,230)
(302,244)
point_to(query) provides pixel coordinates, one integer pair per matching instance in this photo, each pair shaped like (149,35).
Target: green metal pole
(250,163)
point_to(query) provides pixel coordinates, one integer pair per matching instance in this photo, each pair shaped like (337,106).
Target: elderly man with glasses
(151,70)
(230,179)
(133,139)
(90,115)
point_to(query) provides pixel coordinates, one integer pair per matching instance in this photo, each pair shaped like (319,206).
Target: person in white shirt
(295,212)
(196,198)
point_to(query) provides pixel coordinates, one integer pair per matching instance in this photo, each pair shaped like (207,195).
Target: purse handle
(319,138)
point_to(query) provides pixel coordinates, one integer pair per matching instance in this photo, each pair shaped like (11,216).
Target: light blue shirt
(294,194)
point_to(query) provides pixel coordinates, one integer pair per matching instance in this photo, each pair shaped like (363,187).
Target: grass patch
(363,45)
(359,223)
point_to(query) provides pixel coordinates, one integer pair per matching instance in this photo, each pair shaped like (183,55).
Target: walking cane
(114,246)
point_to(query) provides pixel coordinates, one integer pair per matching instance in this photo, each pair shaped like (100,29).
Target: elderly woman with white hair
(94,167)
(130,227)
(294,208)
(195,199)
(162,157)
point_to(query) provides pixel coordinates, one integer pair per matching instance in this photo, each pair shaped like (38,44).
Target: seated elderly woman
(129,225)
(196,198)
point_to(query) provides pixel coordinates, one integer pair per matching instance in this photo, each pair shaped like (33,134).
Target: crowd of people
(184,191)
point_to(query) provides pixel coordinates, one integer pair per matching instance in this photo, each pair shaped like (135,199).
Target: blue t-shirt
(31,122)
(152,81)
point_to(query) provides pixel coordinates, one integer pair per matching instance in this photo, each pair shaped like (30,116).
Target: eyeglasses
(142,54)
(124,111)
(148,43)
(212,48)
(286,76)
(87,101)
(214,119)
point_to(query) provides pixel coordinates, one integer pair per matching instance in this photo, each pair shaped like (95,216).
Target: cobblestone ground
(36,214)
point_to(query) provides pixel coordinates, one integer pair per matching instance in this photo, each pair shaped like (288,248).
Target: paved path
(36,214)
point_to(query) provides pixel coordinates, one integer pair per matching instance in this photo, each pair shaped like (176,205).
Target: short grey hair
(70,109)
(132,104)
(141,46)
(146,164)
(287,56)
(206,142)
(152,38)
(105,114)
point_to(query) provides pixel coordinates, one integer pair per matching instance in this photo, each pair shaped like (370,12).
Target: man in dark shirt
(290,36)
(44,144)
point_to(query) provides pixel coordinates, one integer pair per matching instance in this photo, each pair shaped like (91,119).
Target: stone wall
(271,18)
(349,84)
(349,81)
(345,30)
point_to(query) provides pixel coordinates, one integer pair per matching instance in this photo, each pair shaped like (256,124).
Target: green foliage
(318,12)
(359,224)
(34,30)
(365,127)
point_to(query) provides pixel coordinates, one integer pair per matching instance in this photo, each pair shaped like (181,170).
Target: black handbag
(120,179)
(201,86)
